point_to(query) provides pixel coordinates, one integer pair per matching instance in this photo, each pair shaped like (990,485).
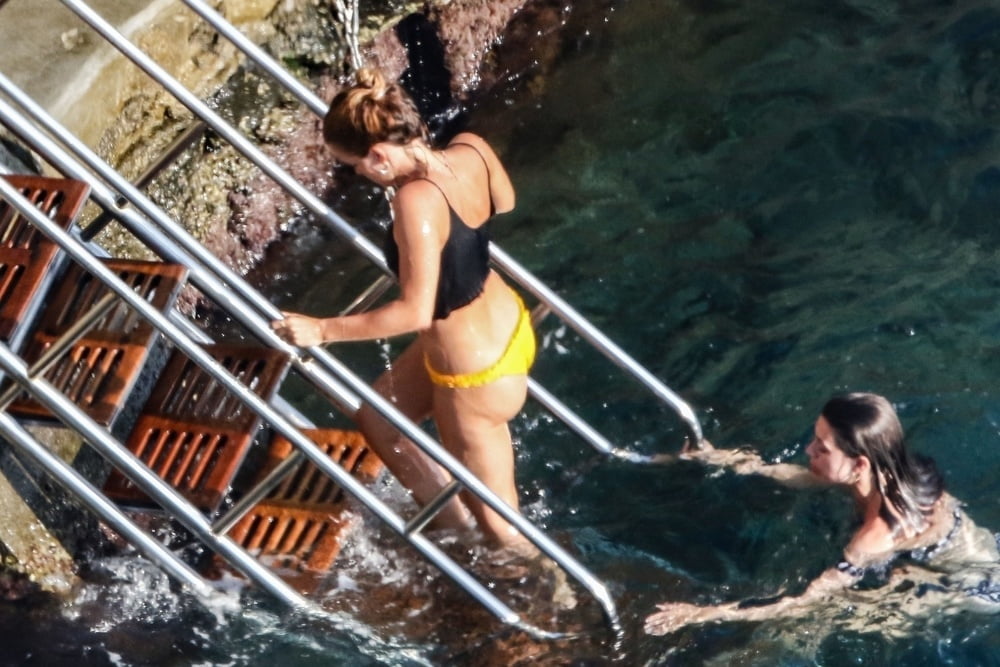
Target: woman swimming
(468,365)
(906,515)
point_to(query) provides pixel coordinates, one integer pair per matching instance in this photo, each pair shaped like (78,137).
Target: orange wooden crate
(100,370)
(193,432)
(27,256)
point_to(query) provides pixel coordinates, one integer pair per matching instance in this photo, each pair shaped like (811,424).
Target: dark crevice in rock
(426,78)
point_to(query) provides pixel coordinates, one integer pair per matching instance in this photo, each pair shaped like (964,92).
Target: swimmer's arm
(749,462)
(675,615)
(501,188)
(419,211)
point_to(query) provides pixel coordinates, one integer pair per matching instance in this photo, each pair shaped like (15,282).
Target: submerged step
(300,524)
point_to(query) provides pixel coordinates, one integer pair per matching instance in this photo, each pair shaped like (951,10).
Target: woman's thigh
(406,385)
(473,426)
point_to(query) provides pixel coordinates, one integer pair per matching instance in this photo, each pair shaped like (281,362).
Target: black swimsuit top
(465,258)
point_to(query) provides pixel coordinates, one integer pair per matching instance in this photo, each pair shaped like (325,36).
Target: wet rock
(468,29)
(14,157)
(17,586)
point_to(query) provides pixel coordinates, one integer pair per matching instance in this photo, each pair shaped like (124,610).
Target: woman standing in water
(906,516)
(468,366)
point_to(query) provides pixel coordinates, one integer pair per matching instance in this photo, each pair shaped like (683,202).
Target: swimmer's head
(867,425)
(370,112)
(864,425)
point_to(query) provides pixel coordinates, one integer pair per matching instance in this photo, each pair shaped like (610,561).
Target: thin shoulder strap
(439,189)
(478,152)
(489,177)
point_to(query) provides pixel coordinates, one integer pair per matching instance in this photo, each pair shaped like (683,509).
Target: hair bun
(373,80)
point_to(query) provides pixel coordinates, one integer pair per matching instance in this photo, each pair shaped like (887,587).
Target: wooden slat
(292,537)
(307,484)
(301,523)
(186,393)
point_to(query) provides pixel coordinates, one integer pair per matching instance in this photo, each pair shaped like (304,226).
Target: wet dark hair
(369,112)
(866,425)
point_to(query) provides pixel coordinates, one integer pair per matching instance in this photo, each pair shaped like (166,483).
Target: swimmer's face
(828,461)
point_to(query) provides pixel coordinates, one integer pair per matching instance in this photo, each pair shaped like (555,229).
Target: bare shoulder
(501,188)
(418,200)
(481,146)
(872,543)
(473,140)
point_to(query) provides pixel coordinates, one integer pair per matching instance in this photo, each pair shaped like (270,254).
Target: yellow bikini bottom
(515,360)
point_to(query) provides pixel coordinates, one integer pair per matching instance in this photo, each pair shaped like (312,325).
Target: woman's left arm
(418,232)
(675,615)
(501,188)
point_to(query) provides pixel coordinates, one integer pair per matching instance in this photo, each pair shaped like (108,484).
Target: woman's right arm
(417,230)
(675,615)
(749,462)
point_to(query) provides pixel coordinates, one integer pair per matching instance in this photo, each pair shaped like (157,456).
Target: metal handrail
(604,344)
(97,502)
(164,236)
(258,56)
(511,267)
(280,424)
(313,203)
(442,457)
(317,355)
(269,167)
(261,328)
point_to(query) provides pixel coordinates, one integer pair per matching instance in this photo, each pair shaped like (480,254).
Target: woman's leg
(473,426)
(407,386)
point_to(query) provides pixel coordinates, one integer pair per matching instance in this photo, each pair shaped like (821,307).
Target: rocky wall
(438,48)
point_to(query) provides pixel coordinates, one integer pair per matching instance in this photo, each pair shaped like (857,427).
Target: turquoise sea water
(765,203)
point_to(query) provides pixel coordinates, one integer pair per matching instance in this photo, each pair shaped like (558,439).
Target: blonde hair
(371,111)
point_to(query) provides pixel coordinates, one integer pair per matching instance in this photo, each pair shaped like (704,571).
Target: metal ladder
(330,376)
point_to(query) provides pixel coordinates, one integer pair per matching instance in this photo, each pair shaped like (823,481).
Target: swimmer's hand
(742,461)
(675,615)
(745,461)
(300,330)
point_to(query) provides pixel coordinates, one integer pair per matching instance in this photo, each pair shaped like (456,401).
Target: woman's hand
(675,615)
(300,330)
(748,462)
(740,460)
